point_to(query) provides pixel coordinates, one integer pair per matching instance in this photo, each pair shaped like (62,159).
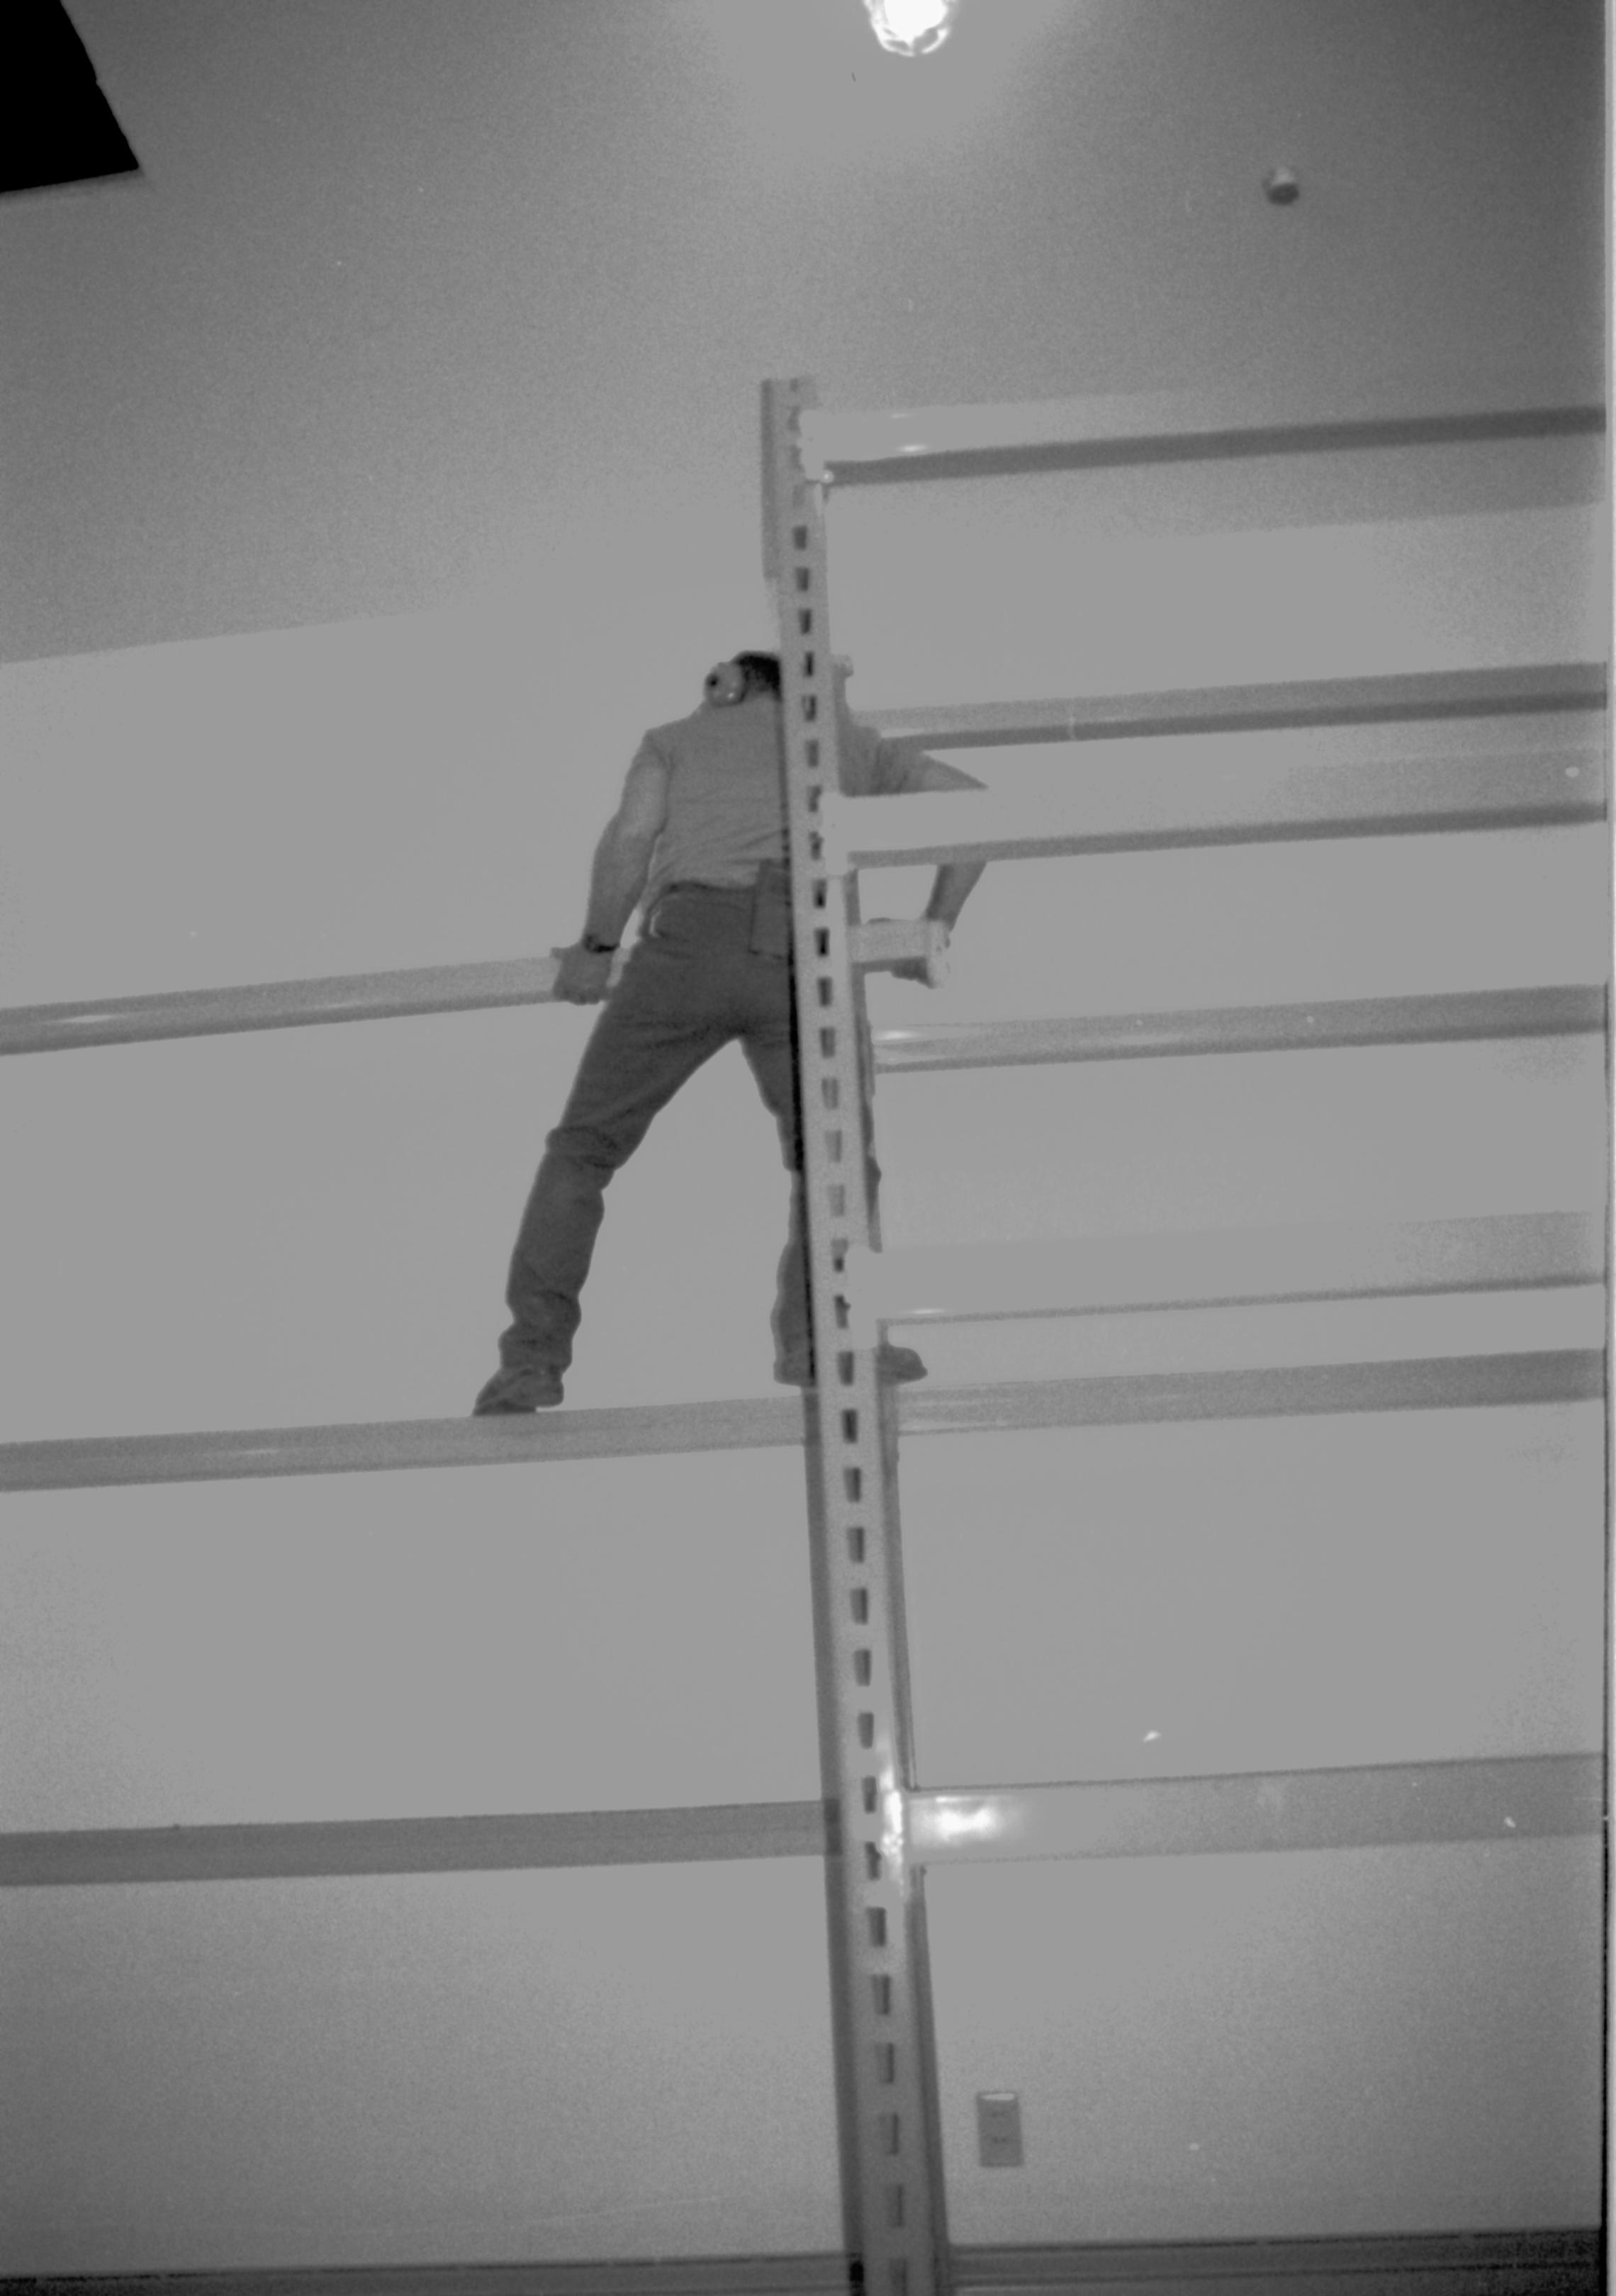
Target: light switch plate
(998,2127)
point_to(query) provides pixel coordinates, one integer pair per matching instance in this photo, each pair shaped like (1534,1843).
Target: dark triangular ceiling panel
(56,127)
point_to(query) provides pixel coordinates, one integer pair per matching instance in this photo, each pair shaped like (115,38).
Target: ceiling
(414,299)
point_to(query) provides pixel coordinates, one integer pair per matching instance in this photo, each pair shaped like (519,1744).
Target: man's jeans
(713,963)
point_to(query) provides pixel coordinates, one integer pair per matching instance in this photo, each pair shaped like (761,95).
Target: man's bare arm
(617,881)
(955,880)
(622,858)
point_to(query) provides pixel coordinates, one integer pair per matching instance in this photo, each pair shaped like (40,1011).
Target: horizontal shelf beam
(1292,1391)
(1516,1798)
(856,447)
(1533,689)
(1457,1017)
(1426,1382)
(1557,2262)
(1224,1268)
(411,1845)
(363,997)
(1532,2262)
(384,1445)
(1179,805)
(282,1005)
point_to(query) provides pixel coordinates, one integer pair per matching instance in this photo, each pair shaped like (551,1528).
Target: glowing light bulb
(911,27)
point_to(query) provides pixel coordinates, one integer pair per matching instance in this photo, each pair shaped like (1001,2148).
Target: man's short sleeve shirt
(725,801)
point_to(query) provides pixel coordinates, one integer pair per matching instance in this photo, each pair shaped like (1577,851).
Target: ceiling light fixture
(911,27)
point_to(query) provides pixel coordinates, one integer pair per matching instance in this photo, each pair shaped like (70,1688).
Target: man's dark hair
(762,671)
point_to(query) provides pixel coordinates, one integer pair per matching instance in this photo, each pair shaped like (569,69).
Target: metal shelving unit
(893,2175)
(881,1831)
(875,1829)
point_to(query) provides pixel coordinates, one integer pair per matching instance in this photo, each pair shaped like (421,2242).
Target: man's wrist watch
(599,948)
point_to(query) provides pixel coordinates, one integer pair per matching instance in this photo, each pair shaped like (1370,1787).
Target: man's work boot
(892,1363)
(520,1387)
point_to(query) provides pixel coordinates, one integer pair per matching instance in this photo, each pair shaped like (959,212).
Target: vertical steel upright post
(892,2186)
